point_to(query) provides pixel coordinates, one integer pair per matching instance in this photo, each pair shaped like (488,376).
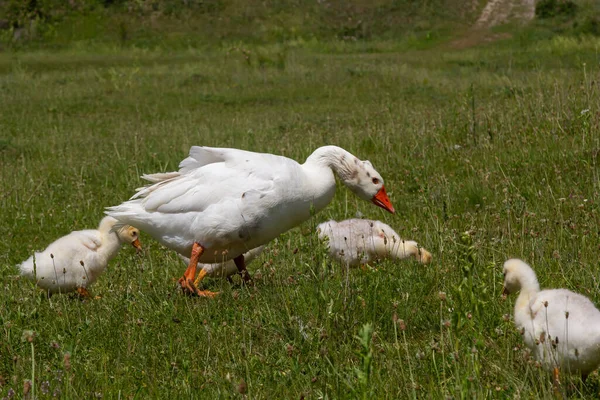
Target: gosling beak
(505,292)
(138,246)
(382,200)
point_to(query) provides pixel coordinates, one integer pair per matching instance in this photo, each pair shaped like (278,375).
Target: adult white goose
(223,269)
(561,327)
(360,241)
(75,261)
(223,202)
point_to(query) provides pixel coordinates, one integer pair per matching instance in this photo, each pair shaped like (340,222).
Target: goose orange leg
(187,280)
(83,293)
(199,278)
(241,266)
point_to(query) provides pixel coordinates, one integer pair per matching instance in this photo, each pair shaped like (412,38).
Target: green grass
(491,141)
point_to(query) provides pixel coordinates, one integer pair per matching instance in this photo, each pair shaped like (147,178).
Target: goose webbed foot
(187,280)
(190,289)
(203,293)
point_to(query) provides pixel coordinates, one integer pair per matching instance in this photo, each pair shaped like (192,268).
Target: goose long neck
(110,245)
(335,158)
(529,288)
(110,240)
(529,282)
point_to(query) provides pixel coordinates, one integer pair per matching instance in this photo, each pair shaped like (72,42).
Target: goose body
(231,200)
(359,241)
(75,261)
(570,341)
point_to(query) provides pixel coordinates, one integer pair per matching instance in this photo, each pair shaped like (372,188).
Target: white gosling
(562,328)
(223,202)
(75,261)
(356,242)
(223,269)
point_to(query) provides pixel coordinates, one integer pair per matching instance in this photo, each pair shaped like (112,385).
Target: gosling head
(518,276)
(125,233)
(423,256)
(129,234)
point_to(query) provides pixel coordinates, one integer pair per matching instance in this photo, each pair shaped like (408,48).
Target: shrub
(589,25)
(555,8)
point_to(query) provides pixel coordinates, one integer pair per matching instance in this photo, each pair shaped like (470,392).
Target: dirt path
(496,12)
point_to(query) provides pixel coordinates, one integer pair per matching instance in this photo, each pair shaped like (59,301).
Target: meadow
(488,153)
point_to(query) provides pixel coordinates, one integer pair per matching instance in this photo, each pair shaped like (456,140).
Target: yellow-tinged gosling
(75,261)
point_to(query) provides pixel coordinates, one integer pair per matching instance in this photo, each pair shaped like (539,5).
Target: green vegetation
(567,16)
(488,153)
(198,24)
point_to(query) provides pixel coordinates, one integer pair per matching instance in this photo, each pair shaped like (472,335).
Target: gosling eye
(375,181)
(134,234)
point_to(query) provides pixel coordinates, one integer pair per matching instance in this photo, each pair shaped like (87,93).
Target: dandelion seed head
(401,325)
(28,336)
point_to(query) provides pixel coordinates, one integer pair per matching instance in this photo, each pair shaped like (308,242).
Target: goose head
(518,276)
(366,183)
(129,234)
(125,233)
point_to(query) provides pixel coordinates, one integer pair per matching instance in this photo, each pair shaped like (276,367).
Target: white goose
(359,241)
(75,261)
(561,327)
(223,202)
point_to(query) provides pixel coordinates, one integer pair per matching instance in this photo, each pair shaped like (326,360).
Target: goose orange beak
(382,200)
(137,244)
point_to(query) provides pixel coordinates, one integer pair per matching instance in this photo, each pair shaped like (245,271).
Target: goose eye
(375,181)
